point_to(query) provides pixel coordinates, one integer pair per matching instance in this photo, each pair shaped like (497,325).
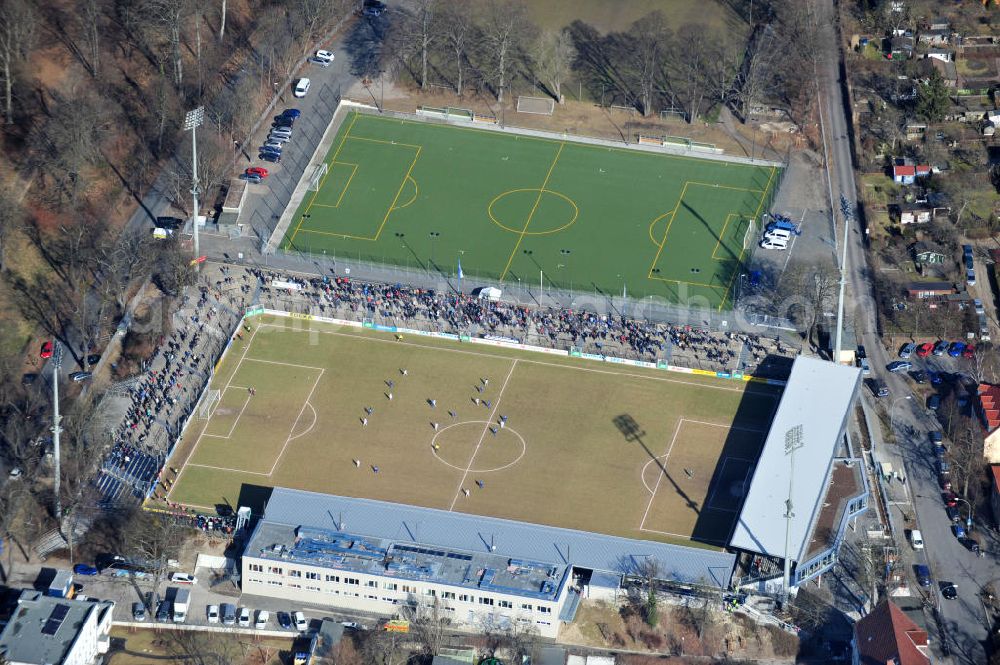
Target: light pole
(968,520)
(193,120)
(56,430)
(892,407)
(793,441)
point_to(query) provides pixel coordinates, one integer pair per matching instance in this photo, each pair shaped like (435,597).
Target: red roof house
(907,174)
(889,636)
(989,415)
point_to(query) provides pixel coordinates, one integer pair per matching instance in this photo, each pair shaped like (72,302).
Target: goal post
(316,179)
(210,400)
(536,105)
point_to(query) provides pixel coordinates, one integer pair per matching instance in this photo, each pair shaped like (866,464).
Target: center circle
(516,209)
(455,444)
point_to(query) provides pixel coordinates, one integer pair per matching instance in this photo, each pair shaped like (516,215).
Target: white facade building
(46,630)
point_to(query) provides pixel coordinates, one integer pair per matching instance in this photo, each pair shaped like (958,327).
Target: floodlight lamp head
(194,118)
(57,354)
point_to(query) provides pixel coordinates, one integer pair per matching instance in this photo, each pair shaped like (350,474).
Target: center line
(531,214)
(489,421)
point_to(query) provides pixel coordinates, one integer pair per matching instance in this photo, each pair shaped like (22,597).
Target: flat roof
(818,396)
(474,534)
(348,552)
(44,628)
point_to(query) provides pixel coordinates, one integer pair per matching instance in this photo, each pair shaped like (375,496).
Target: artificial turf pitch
(626,451)
(518,208)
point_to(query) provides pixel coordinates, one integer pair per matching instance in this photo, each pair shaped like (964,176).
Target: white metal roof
(474,533)
(818,396)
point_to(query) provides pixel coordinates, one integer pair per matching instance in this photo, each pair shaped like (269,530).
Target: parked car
(941,348)
(228,612)
(920,376)
(935,436)
(167,222)
(969,351)
(284,620)
(300,622)
(952,513)
(251,178)
(977,304)
(325,56)
(934,402)
(301,88)
(262,618)
(925,349)
(257,171)
(935,377)
(861,351)
(244,617)
(272,157)
(865,367)
(285,130)
(138,612)
(969,265)
(971,545)
(213,613)
(163,611)
(950,499)
(949,590)
(907,350)
(958,530)
(970,277)
(899,366)
(767,243)
(80,377)
(878,387)
(46,350)
(183,578)
(352,625)
(93,358)
(278,138)
(956,349)
(291,113)
(923,574)
(84,569)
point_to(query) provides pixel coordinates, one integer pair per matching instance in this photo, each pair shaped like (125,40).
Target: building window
(543,623)
(506,604)
(256,568)
(332,578)
(295,586)
(275,571)
(409,589)
(485,601)
(430,592)
(353,581)
(275,582)
(544,610)
(465,598)
(526,607)
(294,573)
(371,597)
(373,584)
(312,588)
(448,608)
(390,586)
(448,595)
(312,576)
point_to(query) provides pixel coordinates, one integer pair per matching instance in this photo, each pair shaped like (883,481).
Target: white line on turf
(276,362)
(301,411)
(663,472)
(489,421)
(735,427)
(222,468)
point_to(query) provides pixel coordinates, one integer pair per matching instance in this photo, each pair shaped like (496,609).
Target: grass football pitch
(516,208)
(612,449)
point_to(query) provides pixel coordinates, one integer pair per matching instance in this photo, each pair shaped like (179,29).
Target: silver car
(280,138)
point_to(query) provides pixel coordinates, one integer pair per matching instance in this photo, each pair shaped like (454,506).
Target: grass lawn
(517,208)
(610,16)
(672,450)
(152,647)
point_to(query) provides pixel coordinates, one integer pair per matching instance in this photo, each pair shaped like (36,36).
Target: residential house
(907,174)
(988,410)
(944,55)
(946,68)
(924,290)
(925,256)
(935,37)
(900,47)
(995,492)
(45,630)
(939,23)
(887,635)
(914,213)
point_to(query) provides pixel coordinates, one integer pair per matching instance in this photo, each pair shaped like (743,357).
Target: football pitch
(515,208)
(561,441)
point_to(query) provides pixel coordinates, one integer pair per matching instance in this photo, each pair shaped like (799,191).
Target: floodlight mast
(56,429)
(192,121)
(793,441)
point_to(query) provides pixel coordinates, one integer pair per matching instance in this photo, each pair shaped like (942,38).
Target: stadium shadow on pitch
(255,497)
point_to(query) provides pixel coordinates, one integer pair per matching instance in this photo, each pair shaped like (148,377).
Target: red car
(257,170)
(950,499)
(46,351)
(925,349)
(970,351)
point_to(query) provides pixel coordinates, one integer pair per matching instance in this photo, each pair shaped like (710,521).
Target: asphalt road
(962,625)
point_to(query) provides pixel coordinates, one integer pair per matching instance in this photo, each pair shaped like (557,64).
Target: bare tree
(170,16)
(805,293)
(151,539)
(18,21)
(505,26)
(68,141)
(553,57)
(11,218)
(756,77)
(648,38)
(201,648)
(91,17)
(455,27)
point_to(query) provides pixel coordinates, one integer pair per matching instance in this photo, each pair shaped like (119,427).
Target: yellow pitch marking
(541,190)
(398,192)
(416,192)
(576,210)
(348,185)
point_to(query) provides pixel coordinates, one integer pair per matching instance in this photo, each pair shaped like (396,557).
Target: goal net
(317,177)
(536,105)
(210,400)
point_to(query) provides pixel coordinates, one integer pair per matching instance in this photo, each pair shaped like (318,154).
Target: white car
(273,144)
(244,617)
(281,131)
(301,88)
(767,243)
(262,618)
(300,622)
(213,614)
(183,578)
(326,56)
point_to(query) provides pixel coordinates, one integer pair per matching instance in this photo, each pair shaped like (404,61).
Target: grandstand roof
(818,396)
(476,534)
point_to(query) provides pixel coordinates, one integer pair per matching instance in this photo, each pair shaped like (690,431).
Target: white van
(301,87)
(773,243)
(917,539)
(778,234)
